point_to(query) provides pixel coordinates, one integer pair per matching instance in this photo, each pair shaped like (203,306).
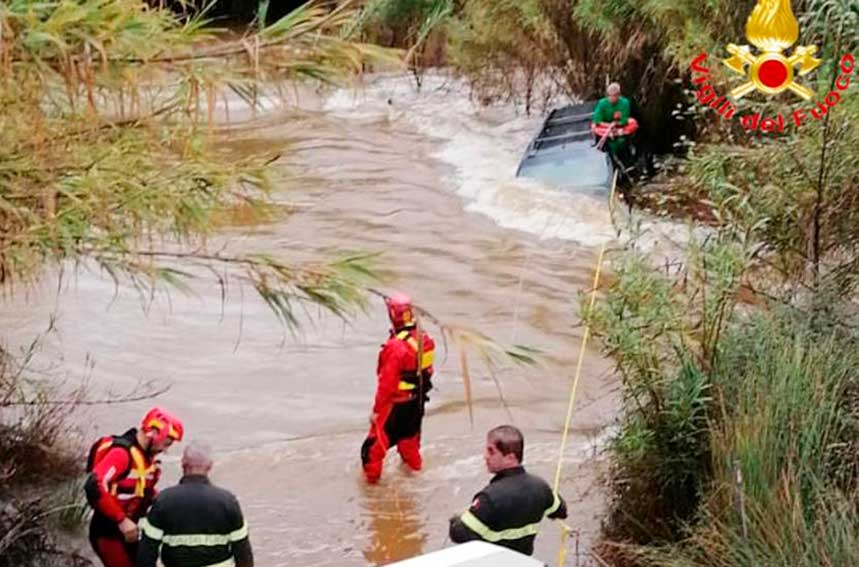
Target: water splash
(483,146)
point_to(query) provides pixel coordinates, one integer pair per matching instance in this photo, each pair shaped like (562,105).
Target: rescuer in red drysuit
(121,485)
(401,392)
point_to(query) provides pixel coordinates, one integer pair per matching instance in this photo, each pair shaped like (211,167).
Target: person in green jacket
(614,109)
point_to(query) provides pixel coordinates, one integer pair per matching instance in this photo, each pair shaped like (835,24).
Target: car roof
(574,164)
(563,153)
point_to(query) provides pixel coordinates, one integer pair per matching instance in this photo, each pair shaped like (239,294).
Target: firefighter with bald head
(403,374)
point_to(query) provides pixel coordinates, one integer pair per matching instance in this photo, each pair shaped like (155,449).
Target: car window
(575,165)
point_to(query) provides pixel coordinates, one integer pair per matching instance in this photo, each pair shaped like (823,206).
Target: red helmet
(400,310)
(164,424)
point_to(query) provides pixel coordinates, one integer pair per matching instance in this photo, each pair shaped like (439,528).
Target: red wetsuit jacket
(122,482)
(396,371)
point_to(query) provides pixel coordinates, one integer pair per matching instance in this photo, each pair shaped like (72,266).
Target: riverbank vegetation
(109,160)
(738,441)
(109,151)
(112,159)
(527,51)
(36,459)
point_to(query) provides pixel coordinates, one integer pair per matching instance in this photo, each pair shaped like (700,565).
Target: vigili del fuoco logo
(772,29)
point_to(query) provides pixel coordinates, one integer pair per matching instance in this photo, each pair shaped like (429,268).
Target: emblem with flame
(772,28)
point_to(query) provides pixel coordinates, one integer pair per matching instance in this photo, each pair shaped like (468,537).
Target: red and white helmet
(400,310)
(164,424)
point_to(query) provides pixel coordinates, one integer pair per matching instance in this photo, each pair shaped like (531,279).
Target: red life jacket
(413,380)
(132,484)
(630,128)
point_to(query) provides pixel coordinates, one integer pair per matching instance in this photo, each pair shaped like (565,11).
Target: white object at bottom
(471,554)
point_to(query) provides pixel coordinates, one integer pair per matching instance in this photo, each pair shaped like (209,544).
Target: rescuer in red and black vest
(121,485)
(401,392)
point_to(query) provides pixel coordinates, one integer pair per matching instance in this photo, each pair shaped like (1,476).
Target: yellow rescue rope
(565,529)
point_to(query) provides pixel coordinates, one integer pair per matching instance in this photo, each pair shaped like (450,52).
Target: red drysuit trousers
(400,426)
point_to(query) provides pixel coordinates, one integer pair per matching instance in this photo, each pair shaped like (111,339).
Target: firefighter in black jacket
(509,510)
(195,523)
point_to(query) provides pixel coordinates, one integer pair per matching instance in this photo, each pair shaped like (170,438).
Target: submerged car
(564,153)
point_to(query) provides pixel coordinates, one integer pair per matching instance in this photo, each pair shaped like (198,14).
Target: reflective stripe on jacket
(508,511)
(195,523)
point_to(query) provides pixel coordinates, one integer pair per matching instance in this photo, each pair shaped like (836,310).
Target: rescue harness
(410,380)
(139,469)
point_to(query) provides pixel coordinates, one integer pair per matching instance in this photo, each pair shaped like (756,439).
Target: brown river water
(427,179)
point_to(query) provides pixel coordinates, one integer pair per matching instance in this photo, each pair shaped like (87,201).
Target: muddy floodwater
(429,180)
